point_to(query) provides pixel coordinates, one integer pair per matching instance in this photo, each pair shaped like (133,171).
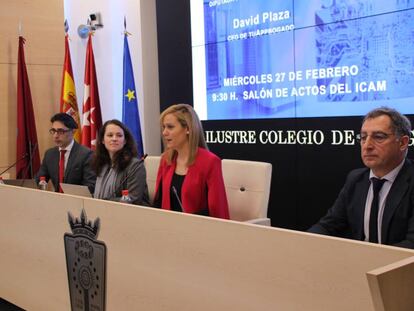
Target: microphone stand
(31,159)
(30,165)
(32,150)
(177,197)
(14,164)
(120,187)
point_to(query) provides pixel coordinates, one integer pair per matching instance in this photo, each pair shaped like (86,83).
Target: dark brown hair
(122,158)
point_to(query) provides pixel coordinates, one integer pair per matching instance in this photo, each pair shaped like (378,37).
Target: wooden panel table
(161,260)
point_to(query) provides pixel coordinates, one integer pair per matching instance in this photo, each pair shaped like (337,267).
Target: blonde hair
(188,118)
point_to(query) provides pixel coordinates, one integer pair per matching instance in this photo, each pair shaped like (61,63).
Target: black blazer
(78,170)
(347,213)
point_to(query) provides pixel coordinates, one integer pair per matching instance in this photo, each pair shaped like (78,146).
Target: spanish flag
(68,102)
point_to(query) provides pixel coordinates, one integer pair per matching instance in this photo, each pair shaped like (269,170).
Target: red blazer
(203,186)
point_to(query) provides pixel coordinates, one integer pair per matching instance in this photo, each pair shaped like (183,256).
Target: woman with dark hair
(189,177)
(117,166)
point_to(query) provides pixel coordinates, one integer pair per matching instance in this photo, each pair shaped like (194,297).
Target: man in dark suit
(68,162)
(376,204)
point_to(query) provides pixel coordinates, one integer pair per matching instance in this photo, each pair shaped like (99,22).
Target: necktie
(61,168)
(373,217)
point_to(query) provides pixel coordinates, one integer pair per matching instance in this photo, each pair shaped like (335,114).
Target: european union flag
(130,113)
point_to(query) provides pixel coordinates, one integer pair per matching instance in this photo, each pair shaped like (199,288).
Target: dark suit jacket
(347,214)
(78,170)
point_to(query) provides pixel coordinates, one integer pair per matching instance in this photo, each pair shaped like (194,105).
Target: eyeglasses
(53,131)
(376,137)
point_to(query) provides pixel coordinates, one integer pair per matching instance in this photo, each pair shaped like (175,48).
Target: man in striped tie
(376,203)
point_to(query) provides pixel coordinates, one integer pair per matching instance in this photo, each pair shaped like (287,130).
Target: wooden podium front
(161,260)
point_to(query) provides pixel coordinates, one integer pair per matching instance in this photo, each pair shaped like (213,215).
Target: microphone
(141,160)
(177,197)
(14,164)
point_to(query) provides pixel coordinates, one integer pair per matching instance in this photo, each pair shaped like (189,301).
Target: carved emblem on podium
(86,264)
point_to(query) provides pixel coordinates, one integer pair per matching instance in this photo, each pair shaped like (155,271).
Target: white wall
(108,51)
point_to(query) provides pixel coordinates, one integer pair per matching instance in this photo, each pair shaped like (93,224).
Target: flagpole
(26,141)
(130,111)
(68,98)
(30,166)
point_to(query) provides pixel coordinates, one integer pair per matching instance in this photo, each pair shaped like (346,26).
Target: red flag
(27,151)
(92,119)
(68,101)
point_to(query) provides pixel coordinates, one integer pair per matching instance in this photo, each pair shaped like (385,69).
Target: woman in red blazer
(189,177)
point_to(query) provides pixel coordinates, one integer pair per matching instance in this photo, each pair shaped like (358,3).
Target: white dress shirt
(68,149)
(390,177)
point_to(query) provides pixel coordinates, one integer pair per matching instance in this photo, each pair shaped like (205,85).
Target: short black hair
(66,119)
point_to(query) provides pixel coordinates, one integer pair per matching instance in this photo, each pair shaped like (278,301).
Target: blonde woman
(189,177)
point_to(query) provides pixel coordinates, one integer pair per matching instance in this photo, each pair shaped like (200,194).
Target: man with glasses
(376,203)
(67,162)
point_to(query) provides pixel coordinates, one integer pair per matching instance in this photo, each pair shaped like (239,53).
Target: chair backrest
(247,187)
(151,165)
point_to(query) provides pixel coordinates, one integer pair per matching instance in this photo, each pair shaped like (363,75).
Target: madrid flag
(27,151)
(91,114)
(68,101)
